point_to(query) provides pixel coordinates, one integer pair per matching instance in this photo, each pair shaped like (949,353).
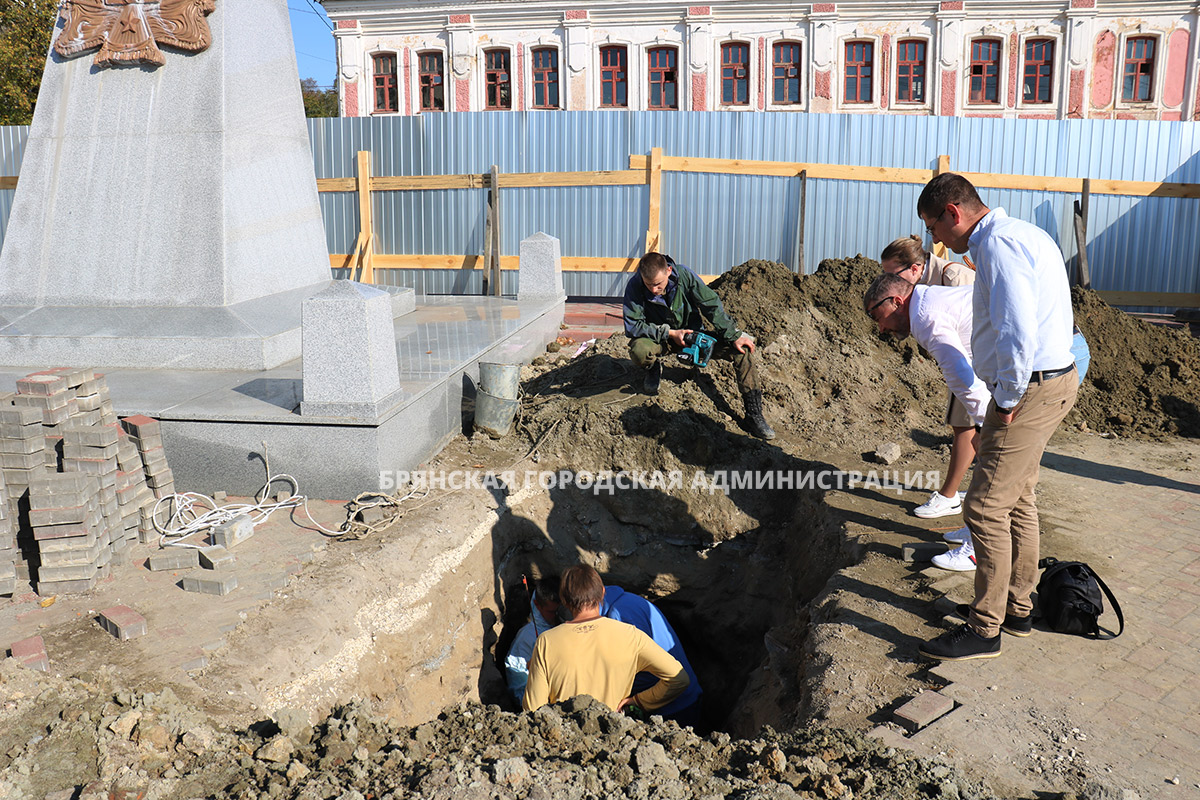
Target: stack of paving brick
(147,435)
(22,451)
(49,393)
(91,449)
(68,525)
(134,497)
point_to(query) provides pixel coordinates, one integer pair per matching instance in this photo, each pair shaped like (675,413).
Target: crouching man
(593,655)
(664,302)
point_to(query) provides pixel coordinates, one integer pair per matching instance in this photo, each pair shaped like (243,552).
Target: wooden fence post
(943,165)
(494,267)
(364,248)
(488,222)
(800,222)
(654,241)
(1083,274)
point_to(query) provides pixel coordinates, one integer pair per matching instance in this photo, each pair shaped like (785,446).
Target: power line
(312,9)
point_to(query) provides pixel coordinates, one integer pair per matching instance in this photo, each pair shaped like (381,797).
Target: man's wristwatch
(1004,411)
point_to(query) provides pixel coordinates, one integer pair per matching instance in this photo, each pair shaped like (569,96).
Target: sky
(313,36)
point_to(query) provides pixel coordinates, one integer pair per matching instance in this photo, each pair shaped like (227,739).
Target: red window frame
(1037,82)
(497,62)
(910,70)
(545,77)
(985,72)
(1137,76)
(387,94)
(430,80)
(735,74)
(785,74)
(614,76)
(860,72)
(663,78)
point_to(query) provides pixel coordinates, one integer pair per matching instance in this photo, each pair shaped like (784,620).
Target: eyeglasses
(872,309)
(929,228)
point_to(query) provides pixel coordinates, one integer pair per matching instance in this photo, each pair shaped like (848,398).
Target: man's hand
(743,343)
(628,701)
(676,337)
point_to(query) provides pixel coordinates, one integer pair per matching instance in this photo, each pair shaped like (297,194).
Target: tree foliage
(25,30)
(318,102)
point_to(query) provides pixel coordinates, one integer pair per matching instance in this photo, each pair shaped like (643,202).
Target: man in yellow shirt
(597,656)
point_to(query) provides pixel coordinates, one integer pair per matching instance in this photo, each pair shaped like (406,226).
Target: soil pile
(100,743)
(1143,378)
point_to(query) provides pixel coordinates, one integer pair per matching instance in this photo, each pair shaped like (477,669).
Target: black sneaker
(1017,626)
(653,377)
(961,644)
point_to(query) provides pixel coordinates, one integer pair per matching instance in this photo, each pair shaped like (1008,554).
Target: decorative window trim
(991,35)
(805,73)
(397,77)
(840,76)
(1157,80)
(1057,67)
(926,40)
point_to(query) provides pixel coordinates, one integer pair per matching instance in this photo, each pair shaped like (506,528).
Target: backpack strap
(1116,606)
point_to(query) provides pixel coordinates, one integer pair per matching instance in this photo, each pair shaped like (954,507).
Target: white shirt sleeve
(1012,307)
(944,345)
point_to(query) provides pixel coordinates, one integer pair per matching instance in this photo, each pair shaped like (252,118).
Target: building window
(1137,86)
(985,71)
(735,74)
(1039,71)
(910,71)
(664,81)
(499,80)
(387,99)
(785,74)
(860,63)
(429,75)
(545,77)
(614,76)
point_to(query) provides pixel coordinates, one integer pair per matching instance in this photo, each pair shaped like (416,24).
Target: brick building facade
(1039,59)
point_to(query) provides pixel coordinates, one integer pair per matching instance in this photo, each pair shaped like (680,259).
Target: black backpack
(1069,598)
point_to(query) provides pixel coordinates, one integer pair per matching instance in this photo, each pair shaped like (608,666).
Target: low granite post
(350,364)
(540,275)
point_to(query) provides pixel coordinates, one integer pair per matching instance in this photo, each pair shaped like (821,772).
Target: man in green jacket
(664,302)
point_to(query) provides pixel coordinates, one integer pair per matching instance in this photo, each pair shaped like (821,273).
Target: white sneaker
(960,559)
(959,536)
(939,506)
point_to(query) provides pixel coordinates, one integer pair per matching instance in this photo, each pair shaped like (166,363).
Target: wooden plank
(398,183)
(8,182)
(1170,299)
(331,184)
(494,268)
(570,263)
(654,178)
(943,165)
(523,180)
(800,220)
(365,230)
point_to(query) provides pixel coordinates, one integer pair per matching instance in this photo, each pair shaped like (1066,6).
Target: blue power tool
(697,348)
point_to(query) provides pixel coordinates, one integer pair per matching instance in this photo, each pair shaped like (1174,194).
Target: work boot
(755,422)
(653,377)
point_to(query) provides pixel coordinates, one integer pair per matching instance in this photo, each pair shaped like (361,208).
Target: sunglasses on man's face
(871,311)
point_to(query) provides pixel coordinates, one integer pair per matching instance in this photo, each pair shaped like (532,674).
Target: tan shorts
(956,414)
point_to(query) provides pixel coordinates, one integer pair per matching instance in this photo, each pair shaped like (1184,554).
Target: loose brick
(123,622)
(209,583)
(91,435)
(216,557)
(8,586)
(35,458)
(141,425)
(174,558)
(233,532)
(922,710)
(70,572)
(41,384)
(22,416)
(47,588)
(22,446)
(31,653)
(76,557)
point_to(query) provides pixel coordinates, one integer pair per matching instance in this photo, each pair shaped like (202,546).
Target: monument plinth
(165,215)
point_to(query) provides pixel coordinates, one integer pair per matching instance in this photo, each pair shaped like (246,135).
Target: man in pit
(664,302)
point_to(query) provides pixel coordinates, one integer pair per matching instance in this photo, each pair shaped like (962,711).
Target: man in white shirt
(1021,346)
(940,319)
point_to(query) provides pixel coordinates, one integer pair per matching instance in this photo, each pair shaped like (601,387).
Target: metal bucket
(500,380)
(494,415)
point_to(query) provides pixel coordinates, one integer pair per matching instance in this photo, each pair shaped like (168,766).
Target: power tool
(697,348)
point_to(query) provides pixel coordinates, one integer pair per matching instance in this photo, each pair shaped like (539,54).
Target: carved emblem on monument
(130,31)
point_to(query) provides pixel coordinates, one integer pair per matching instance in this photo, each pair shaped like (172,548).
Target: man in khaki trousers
(1021,345)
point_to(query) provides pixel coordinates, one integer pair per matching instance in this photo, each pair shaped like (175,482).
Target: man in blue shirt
(664,302)
(542,617)
(639,612)
(1021,349)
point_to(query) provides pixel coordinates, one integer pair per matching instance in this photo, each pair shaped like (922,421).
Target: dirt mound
(1142,380)
(95,741)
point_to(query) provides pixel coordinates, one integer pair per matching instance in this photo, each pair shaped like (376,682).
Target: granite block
(540,268)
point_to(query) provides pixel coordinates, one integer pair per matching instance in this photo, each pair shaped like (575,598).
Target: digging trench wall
(414,623)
